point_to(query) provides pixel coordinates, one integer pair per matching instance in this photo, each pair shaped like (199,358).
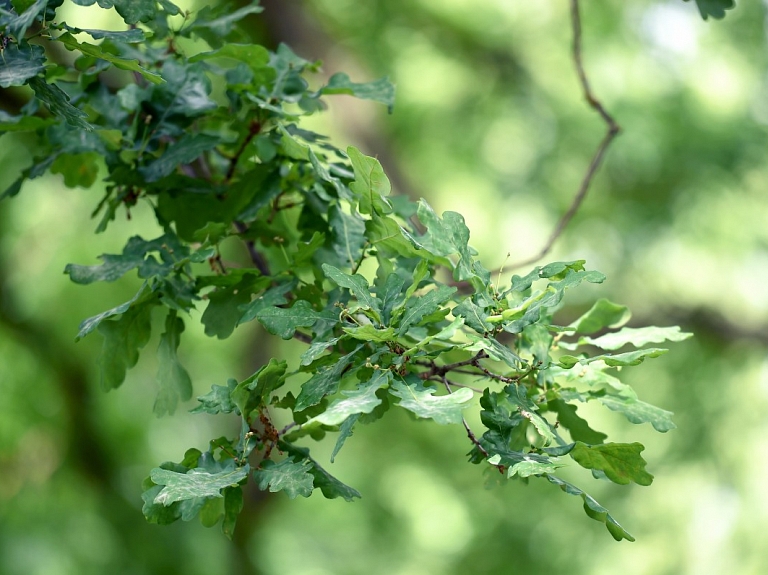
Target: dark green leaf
(96,51)
(218,400)
(290,476)
(173,380)
(621,462)
(714,8)
(357,285)
(593,509)
(233,505)
(473,314)
(576,426)
(345,431)
(125,333)
(254,391)
(284,321)
(58,103)
(224,309)
(324,382)
(17,25)
(131,36)
(77,169)
(184,151)
(20,63)
(328,484)
(417,307)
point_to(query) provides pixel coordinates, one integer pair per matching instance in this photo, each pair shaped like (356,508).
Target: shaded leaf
(380,90)
(327,483)
(290,476)
(621,462)
(253,391)
(184,151)
(96,51)
(371,185)
(325,381)
(714,8)
(593,509)
(20,63)
(285,321)
(576,426)
(357,285)
(418,307)
(58,103)
(173,380)
(218,400)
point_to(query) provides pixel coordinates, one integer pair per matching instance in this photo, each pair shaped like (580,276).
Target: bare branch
(611,132)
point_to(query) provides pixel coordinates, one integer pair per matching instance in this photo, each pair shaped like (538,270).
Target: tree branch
(611,132)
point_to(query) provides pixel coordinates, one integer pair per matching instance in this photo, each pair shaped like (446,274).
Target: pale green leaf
(285,321)
(443,409)
(361,400)
(20,63)
(370,333)
(194,483)
(380,90)
(357,285)
(324,382)
(636,336)
(637,411)
(371,185)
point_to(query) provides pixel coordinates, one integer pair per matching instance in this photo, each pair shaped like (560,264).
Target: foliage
(391,298)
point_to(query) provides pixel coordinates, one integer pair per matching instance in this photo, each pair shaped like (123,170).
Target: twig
(256,257)
(597,158)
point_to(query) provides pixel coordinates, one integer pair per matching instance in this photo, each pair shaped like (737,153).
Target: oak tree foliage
(394,307)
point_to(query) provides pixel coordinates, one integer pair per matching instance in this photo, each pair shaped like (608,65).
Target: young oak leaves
(396,314)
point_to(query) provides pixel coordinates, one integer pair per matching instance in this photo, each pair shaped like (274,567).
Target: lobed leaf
(443,409)
(621,462)
(194,483)
(290,476)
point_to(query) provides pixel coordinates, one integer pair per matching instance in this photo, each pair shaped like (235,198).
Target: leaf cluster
(390,298)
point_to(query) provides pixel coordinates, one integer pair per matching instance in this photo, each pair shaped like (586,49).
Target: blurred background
(490,122)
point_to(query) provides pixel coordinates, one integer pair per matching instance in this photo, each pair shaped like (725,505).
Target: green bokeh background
(489,122)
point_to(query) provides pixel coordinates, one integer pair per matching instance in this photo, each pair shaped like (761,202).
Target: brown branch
(597,158)
(257,257)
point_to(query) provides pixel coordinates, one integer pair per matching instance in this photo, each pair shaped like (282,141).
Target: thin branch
(612,130)
(256,256)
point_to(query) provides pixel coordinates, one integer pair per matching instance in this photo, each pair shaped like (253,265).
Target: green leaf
(445,237)
(9,123)
(134,11)
(224,310)
(593,509)
(443,409)
(254,391)
(345,431)
(417,307)
(325,381)
(124,335)
(20,63)
(380,90)
(256,57)
(90,50)
(474,315)
(285,321)
(288,475)
(233,505)
(348,235)
(528,466)
(327,483)
(517,395)
(194,483)
(16,25)
(174,381)
(576,426)
(637,411)
(357,285)
(58,103)
(214,23)
(371,184)
(184,151)
(362,400)
(495,350)
(218,400)
(603,313)
(274,296)
(714,8)
(132,36)
(77,169)
(370,333)
(636,336)
(621,462)
(629,358)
